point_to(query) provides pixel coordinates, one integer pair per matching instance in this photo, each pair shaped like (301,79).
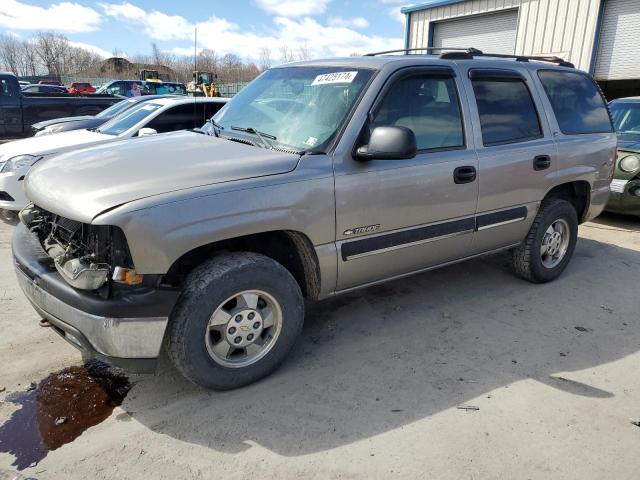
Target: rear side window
(181,117)
(5,89)
(506,109)
(576,102)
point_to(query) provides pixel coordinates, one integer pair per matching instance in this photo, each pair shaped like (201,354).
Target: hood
(54,121)
(629,142)
(84,183)
(50,144)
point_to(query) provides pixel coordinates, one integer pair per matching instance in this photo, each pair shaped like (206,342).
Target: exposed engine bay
(83,254)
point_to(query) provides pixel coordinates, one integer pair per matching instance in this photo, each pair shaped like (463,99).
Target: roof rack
(470,53)
(428,49)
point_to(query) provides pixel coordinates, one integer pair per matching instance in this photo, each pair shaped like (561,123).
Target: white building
(599,36)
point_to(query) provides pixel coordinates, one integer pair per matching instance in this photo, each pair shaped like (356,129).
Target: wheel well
(578,193)
(293,250)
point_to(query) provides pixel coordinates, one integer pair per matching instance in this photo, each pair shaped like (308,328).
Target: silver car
(318,178)
(160,115)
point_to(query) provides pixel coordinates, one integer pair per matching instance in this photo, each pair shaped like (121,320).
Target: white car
(157,116)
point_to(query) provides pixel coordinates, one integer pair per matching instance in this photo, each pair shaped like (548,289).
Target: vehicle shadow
(612,221)
(382,358)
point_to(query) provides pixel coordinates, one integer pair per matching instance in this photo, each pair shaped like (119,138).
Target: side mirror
(389,143)
(145,132)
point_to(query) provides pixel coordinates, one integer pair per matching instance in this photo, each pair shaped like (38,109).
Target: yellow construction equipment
(149,76)
(203,84)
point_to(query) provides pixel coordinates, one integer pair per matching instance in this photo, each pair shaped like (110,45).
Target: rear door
(516,153)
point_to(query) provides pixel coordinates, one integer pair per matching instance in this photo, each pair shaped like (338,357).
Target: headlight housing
(19,162)
(630,164)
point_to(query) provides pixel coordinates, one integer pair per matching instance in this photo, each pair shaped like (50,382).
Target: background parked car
(132,88)
(147,118)
(81,87)
(19,109)
(66,124)
(43,88)
(625,188)
(171,88)
(50,82)
(23,83)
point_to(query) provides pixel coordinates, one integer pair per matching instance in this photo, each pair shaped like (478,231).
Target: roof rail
(453,53)
(523,58)
(427,49)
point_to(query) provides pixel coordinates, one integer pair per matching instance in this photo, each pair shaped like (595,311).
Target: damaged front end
(83,254)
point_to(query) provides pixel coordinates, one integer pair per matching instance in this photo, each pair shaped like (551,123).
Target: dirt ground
(373,387)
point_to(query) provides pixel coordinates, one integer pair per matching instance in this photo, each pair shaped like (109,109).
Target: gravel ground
(372,389)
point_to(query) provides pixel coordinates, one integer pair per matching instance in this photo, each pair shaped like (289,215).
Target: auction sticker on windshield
(337,77)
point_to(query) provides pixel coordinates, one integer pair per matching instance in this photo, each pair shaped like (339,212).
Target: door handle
(464,174)
(541,162)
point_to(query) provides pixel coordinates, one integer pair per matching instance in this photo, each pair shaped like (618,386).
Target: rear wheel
(236,320)
(549,245)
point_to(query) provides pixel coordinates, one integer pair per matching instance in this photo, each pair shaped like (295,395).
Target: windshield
(128,119)
(626,117)
(116,108)
(295,107)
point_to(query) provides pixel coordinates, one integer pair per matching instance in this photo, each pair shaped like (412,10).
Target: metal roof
(428,4)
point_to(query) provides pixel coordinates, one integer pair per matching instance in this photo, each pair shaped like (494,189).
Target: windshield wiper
(215,125)
(261,135)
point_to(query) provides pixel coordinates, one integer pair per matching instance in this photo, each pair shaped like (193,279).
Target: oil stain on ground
(59,409)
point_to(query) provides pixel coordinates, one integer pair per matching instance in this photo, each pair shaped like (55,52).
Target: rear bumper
(622,200)
(125,330)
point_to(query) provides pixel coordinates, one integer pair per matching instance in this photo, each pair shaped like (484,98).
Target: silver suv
(318,178)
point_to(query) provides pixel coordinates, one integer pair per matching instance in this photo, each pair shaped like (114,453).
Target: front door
(395,217)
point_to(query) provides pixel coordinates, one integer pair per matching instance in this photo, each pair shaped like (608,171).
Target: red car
(81,87)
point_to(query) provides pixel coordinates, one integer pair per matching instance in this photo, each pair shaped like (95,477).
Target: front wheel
(549,245)
(238,317)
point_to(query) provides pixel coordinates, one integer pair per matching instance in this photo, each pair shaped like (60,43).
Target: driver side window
(426,104)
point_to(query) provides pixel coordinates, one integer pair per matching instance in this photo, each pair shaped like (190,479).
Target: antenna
(195,49)
(195,68)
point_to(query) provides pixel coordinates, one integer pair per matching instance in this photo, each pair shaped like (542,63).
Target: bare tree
(304,52)
(10,53)
(265,59)
(51,53)
(286,55)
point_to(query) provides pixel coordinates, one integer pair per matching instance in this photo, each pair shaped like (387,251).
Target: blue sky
(243,27)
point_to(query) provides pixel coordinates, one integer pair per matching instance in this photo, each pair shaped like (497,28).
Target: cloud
(357,22)
(226,37)
(92,48)
(397,15)
(294,8)
(65,17)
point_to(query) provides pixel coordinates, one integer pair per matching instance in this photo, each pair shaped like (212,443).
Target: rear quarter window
(576,101)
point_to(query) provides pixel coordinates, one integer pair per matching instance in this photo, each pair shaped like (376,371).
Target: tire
(226,286)
(527,260)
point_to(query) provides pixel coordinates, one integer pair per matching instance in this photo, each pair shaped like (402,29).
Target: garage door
(494,32)
(619,40)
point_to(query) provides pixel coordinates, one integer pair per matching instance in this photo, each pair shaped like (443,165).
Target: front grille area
(66,239)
